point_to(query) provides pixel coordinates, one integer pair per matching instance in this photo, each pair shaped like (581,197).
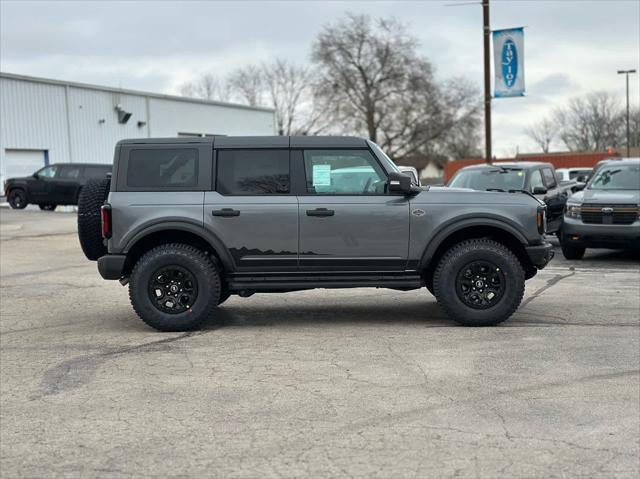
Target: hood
(608,196)
(19,178)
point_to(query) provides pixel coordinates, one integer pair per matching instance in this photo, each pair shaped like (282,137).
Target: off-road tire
(92,197)
(17,199)
(189,258)
(224,295)
(572,252)
(47,207)
(463,253)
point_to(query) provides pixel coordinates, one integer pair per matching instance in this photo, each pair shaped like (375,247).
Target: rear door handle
(320,212)
(227,212)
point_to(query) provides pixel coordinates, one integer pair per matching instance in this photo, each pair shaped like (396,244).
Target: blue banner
(508,57)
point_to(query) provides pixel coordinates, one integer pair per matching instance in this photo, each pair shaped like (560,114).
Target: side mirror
(399,183)
(539,190)
(578,187)
(35,175)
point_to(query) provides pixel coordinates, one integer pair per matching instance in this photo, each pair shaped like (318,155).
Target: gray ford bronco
(187,222)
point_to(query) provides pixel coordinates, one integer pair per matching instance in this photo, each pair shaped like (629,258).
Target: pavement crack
(550,283)
(80,370)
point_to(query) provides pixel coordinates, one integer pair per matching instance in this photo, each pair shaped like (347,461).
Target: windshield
(390,165)
(504,179)
(619,177)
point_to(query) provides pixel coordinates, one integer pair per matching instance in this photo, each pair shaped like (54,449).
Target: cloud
(571,47)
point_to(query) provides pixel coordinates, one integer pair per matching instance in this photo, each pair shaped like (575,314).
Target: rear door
(252,210)
(348,221)
(64,187)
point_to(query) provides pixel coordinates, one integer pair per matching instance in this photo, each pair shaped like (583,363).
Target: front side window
(536,180)
(253,172)
(48,172)
(157,168)
(549,178)
(69,173)
(343,172)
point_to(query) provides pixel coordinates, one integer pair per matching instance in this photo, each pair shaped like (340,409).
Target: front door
(348,221)
(41,185)
(253,211)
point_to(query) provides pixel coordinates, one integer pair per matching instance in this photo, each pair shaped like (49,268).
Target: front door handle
(320,212)
(227,212)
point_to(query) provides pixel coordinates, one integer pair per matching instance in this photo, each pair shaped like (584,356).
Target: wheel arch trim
(193,228)
(460,224)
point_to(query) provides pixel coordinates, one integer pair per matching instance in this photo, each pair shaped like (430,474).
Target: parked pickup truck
(188,222)
(536,178)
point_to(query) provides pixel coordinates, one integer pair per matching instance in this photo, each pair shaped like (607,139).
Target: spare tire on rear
(92,197)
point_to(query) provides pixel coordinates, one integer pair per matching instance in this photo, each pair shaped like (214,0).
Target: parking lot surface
(324,383)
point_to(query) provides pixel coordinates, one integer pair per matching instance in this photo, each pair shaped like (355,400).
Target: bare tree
(377,84)
(208,87)
(542,133)
(248,84)
(594,122)
(288,88)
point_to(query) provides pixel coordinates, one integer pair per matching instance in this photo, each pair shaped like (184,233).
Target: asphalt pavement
(328,383)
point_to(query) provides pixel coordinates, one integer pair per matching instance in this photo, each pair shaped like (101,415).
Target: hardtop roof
(258,141)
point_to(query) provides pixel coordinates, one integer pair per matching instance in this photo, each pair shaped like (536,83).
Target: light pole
(627,72)
(486,32)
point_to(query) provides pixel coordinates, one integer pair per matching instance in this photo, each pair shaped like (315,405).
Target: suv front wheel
(479,282)
(174,287)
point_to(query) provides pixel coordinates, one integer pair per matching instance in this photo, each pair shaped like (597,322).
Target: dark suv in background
(53,185)
(534,177)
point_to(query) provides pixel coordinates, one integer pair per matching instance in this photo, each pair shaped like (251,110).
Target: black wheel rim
(16,199)
(480,284)
(173,289)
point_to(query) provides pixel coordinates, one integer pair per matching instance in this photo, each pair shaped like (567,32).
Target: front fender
(459,224)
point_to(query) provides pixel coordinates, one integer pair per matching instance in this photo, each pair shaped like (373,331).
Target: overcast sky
(571,47)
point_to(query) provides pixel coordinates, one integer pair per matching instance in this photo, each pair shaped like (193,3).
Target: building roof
(88,86)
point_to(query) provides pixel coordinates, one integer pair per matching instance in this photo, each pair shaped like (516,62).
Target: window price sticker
(321,175)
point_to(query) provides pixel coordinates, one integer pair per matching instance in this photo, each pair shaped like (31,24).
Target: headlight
(573,210)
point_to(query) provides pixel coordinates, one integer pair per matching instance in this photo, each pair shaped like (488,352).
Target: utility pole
(487,80)
(627,72)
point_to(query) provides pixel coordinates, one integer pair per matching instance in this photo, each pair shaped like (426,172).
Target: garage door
(20,163)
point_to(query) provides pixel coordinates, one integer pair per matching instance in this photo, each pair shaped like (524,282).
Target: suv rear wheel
(479,282)
(17,199)
(174,287)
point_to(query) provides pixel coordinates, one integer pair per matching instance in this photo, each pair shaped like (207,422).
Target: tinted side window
(343,172)
(253,172)
(157,168)
(69,173)
(536,179)
(96,171)
(549,178)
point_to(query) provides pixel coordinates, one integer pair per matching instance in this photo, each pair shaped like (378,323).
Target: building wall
(79,123)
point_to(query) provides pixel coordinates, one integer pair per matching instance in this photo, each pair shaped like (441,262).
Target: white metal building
(46,121)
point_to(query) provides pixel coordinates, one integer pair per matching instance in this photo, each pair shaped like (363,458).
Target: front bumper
(540,255)
(111,266)
(575,232)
